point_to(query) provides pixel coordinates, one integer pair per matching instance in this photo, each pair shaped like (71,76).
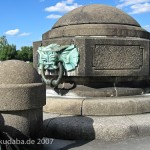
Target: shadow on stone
(13,138)
(64,90)
(70,128)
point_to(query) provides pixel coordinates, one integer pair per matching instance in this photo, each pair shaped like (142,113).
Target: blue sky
(24,21)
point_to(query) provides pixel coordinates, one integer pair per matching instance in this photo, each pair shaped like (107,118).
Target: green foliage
(3,41)
(26,53)
(8,51)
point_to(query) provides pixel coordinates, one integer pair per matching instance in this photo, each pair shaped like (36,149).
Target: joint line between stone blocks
(82,106)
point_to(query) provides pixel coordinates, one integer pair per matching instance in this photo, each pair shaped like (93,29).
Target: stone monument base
(76,116)
(85,100)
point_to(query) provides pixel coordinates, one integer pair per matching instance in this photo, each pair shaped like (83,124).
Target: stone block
(116,105)
(116,57)
(143,123)
(68,106)
(114,128)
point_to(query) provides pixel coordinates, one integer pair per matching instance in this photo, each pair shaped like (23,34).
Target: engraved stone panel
(112,57)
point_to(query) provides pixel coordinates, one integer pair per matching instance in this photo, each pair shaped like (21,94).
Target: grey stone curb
(116,105)
(105,128)
(102,106)
(65,106)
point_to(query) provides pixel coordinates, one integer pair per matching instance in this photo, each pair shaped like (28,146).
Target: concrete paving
(130,144)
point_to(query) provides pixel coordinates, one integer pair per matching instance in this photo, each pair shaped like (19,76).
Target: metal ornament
(56,57)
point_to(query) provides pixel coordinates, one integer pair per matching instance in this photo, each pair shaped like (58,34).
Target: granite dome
(96,20)
(96,14)
(18,72)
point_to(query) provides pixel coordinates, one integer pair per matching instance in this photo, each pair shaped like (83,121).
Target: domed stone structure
(112,45)
(111,79)
(96,20)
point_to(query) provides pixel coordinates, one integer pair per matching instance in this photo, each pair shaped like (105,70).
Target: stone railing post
(22,97)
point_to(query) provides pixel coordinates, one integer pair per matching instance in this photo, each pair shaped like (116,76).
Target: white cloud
(136,6)
(16,32)
(12,32)
(125,3)
(140,8)
(24,34)
(69,1)
(63,6)
(53,16)
(147,27)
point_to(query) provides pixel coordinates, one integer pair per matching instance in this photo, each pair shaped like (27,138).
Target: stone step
(105,128)
(101,106)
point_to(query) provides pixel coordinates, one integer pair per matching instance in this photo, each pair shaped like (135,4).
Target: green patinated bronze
(50,55)
(54,56)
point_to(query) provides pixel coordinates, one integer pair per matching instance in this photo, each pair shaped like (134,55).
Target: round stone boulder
(22,97)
